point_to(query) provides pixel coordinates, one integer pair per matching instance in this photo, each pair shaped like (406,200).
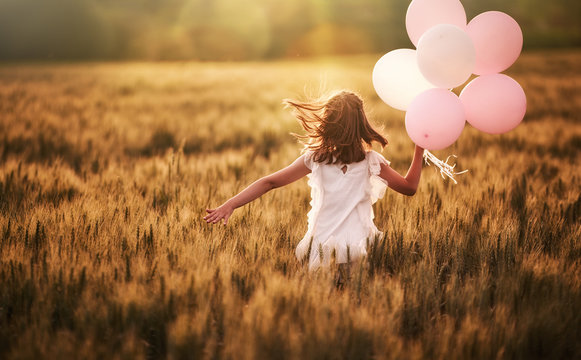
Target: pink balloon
(423,14)
(494,103)
(435,119)
(497,39)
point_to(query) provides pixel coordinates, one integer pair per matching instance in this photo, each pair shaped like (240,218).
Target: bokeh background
(242,30)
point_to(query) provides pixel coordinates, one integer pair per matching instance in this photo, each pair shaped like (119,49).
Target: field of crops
(106,170)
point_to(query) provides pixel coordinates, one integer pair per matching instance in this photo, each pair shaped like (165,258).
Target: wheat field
(107,169)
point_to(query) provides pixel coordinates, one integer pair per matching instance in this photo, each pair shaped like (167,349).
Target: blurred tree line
(242,29)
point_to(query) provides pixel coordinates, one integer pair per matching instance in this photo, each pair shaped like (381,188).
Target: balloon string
(445,168)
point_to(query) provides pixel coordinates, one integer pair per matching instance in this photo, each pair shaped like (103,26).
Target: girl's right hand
(222,212)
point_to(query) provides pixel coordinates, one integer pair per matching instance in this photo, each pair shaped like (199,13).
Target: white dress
(341,215)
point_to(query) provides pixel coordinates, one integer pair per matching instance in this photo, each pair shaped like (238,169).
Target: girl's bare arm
(408,184)
(283,177)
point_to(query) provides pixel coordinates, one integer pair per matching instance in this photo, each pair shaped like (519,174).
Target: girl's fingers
(209,211)
(211,217)
(215,216)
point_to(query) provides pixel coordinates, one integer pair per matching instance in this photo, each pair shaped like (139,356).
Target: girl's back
(341,216)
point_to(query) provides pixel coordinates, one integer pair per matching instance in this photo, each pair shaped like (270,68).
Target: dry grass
(106,170)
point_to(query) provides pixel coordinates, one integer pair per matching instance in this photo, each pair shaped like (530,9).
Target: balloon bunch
(448,51)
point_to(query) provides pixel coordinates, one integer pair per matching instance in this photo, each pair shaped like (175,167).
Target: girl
(345,175)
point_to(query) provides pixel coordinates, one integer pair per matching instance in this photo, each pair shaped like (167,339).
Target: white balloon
(446,56)
(397,78)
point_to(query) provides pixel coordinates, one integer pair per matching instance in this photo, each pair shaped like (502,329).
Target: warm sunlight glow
(238,30)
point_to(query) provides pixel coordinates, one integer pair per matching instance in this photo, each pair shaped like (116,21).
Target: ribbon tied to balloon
(448,51)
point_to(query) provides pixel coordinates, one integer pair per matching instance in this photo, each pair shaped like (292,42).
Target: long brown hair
(337,129)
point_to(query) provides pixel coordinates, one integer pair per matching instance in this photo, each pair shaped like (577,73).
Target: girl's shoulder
(373,156)
(308,159)
(374,161)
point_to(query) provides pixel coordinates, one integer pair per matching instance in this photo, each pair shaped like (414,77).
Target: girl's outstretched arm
(283,177)
(408,184)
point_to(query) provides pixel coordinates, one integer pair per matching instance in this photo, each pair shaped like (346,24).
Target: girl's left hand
(222,212)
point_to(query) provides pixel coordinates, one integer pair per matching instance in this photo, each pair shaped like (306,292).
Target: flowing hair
(337,129)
